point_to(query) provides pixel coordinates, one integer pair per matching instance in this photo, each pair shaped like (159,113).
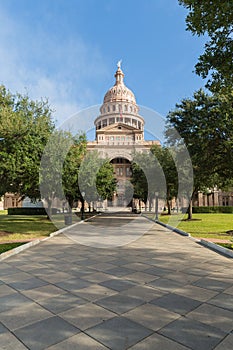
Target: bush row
(30,211)
(220,209)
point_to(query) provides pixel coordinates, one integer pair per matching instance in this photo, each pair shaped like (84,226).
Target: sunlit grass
(13,227)
(204,225)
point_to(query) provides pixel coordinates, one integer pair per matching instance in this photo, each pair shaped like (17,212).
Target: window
(126,108)
(128,172)
(111,138)
(108,109)
(113,108)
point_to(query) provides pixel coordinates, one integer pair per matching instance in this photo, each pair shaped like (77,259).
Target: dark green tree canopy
(214,18)
(25,127)
(205,125)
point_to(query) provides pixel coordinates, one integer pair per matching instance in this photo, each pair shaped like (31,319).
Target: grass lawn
(13,227)
(8,246)
(205,225)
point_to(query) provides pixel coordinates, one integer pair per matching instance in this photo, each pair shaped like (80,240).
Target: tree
(214,18)
(71,168)
(147,177)
(25,127)
(105,180)
(51,168)
(205,125)
(96,178)
(164,156)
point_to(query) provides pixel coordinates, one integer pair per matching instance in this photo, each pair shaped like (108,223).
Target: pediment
(118,126)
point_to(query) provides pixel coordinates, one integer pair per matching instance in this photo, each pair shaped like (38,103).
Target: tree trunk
(190,210)
(168,207)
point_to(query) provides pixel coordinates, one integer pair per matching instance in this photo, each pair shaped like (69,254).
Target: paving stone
(119,271)
(140,277)
(62,302)
(16,277)
(103,266)
(28,284)
(164,284)
(44,292)
(214,316)
(193,334)
(96,277)
(184,278)
(158,271)
(57,276)
(151,316)
(9,342)
(196,293)
(158,342)
(95,292)
(80,341)
(86,316)
(118,284)
(222,300)
(143,292)
(118,333)
(23,315)
(42,334)
(74,284)
(3,329)
(176,303)
(6,290)
(120,303)
(11,301)
(229,290)
(226,344)
(212,284)
(136,266)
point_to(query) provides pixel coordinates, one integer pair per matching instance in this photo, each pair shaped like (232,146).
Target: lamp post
(82,209)
(156,205)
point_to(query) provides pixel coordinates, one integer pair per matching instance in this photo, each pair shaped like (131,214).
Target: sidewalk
(162,291)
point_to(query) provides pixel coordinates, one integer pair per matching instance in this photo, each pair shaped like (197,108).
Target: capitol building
(119,132)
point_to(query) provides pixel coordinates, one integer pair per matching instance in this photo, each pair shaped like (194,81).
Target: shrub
(206,210)
(30,211)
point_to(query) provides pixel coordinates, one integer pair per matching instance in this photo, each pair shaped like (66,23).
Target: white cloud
(61,70)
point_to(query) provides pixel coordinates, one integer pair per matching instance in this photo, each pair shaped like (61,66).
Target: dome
(119,92)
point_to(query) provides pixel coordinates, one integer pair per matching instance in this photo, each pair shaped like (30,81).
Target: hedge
(30,211)
(219,209)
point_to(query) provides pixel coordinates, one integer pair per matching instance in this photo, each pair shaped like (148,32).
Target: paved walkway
(162,291)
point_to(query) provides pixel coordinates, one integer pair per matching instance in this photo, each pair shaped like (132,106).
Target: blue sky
(67,50)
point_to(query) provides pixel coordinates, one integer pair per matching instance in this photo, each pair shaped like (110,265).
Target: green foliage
(205,125)
(216,209)
(26,211)
(147,177)
(71,168)
(8,246)
(214,18)
(25,127)
(96,178)
(164,156)
(105,181)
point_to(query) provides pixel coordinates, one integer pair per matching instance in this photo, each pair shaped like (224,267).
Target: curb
(217,248)
(176,230)
(19,249)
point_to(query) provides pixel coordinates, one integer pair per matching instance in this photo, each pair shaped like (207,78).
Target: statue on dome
(119,64)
